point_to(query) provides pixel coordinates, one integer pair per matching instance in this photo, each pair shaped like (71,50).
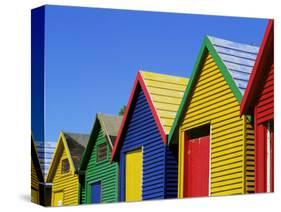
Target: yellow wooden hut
(63,169)
(216,144)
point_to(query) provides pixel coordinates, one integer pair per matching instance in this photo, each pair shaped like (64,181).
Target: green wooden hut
(98,177)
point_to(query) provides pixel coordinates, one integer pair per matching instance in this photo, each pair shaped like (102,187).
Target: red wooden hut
(258,101)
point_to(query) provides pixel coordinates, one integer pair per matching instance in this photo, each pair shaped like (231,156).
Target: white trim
(210,144)
(268,158)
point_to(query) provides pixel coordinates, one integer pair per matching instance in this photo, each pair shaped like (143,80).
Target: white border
(15,102)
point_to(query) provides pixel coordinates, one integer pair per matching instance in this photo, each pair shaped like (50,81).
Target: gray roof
(76,143)
(45,151)
(238,58)
(110,125)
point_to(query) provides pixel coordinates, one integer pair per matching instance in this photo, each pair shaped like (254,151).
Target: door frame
(185,139)
(89,190)
(269,158)
(264,157)
(124,171)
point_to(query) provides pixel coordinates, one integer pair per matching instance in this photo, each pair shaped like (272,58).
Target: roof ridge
(169,75)
(231,41)
(107,114)
(75,134)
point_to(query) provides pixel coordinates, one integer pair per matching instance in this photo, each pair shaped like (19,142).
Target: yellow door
(58,198)
(34,196)
(134,176)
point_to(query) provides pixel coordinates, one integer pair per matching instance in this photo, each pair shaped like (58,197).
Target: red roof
(264,56)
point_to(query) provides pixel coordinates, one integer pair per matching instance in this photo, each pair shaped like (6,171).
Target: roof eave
(254,80)
(139,81)
(206,46)
(125,116)
(62,140)
(85,157)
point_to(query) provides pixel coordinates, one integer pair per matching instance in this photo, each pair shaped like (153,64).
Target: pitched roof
(163,93)
(238,58)
(166,92)
(110,125)
(235,61)
(265,54)
(76,144)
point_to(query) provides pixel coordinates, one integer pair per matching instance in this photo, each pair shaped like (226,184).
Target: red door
(196,166)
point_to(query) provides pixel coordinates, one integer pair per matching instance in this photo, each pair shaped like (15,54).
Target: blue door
(96,192)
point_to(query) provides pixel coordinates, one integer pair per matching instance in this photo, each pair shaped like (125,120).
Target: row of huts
(209,135)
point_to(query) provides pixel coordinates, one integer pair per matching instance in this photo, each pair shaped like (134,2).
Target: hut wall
(142,131)
(103,171)
(264,112)
(213,102)
(68,183)
(34,184)
(265,104)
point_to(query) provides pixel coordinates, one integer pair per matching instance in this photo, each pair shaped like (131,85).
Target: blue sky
(92,56)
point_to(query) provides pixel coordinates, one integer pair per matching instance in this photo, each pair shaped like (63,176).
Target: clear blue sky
(92,56)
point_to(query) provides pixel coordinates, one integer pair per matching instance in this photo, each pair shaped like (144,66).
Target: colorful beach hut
(97,175)
(37,177)
(259,102)
(216,145)
(63,171)
(148,167)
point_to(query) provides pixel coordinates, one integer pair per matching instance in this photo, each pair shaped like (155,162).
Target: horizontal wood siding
(82,188)
(103,171)
(213,102)
(142,131)
(263,112)
(68,183)
(250,158)
(265,105)
(171,169)
(34,178)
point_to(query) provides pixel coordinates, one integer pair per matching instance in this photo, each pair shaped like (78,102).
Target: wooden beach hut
(97,175)
(259,102)
(148,167)
(37,178)
(63,171)
(216,145)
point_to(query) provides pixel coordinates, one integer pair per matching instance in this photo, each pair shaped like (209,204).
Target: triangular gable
(152,87)
(35,160)
(166,92)
(110,125)
(76,143)
(238,58)
(226,55)
(61,145)
(265,56)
